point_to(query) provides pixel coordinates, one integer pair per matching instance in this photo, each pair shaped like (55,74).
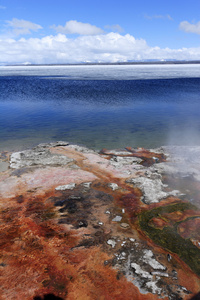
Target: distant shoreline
(114,64)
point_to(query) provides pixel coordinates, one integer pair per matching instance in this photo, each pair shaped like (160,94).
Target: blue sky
(63,31)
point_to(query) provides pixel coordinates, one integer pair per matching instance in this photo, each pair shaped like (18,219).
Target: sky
(86,31)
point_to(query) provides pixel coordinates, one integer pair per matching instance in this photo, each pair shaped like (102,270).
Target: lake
(100,106)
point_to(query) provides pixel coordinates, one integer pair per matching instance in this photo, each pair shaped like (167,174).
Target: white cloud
(115,28)
(188,27)
(74,27)
(111,47)
(2,7)
(164,17)
(19,27)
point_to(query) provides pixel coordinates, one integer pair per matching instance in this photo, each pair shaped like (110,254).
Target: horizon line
(109,63)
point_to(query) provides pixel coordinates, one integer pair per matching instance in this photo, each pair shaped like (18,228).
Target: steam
(184,135)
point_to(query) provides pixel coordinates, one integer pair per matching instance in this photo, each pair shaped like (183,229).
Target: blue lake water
(100,106)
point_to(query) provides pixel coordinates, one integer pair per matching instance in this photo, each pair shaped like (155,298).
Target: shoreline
(173,150)
(172,62)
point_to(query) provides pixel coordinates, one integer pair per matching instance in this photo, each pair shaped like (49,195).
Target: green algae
(168,237)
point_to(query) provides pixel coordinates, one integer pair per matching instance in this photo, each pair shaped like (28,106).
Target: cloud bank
(188,27)
(90,44)
(111,47)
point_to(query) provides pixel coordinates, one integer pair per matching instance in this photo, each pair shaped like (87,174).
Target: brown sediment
(49,258)
(190,228)
(169,219)
(70,243)
(148,157)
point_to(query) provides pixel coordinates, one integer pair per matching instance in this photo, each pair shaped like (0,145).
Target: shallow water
(100,106)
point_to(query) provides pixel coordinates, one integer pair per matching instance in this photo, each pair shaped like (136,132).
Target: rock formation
(115,224)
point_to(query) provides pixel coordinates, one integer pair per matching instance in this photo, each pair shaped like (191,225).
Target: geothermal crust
(115,224)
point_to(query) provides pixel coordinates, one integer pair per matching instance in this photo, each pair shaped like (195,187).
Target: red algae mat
(78,224)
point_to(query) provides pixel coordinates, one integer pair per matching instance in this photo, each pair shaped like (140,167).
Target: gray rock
(40,155)
(117,219)
(112,243)
(50,145)
(86,185)
(82,149)
(152,189)
(113,186)
(119,161)
(70,186)
(139,271)
(148,258)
